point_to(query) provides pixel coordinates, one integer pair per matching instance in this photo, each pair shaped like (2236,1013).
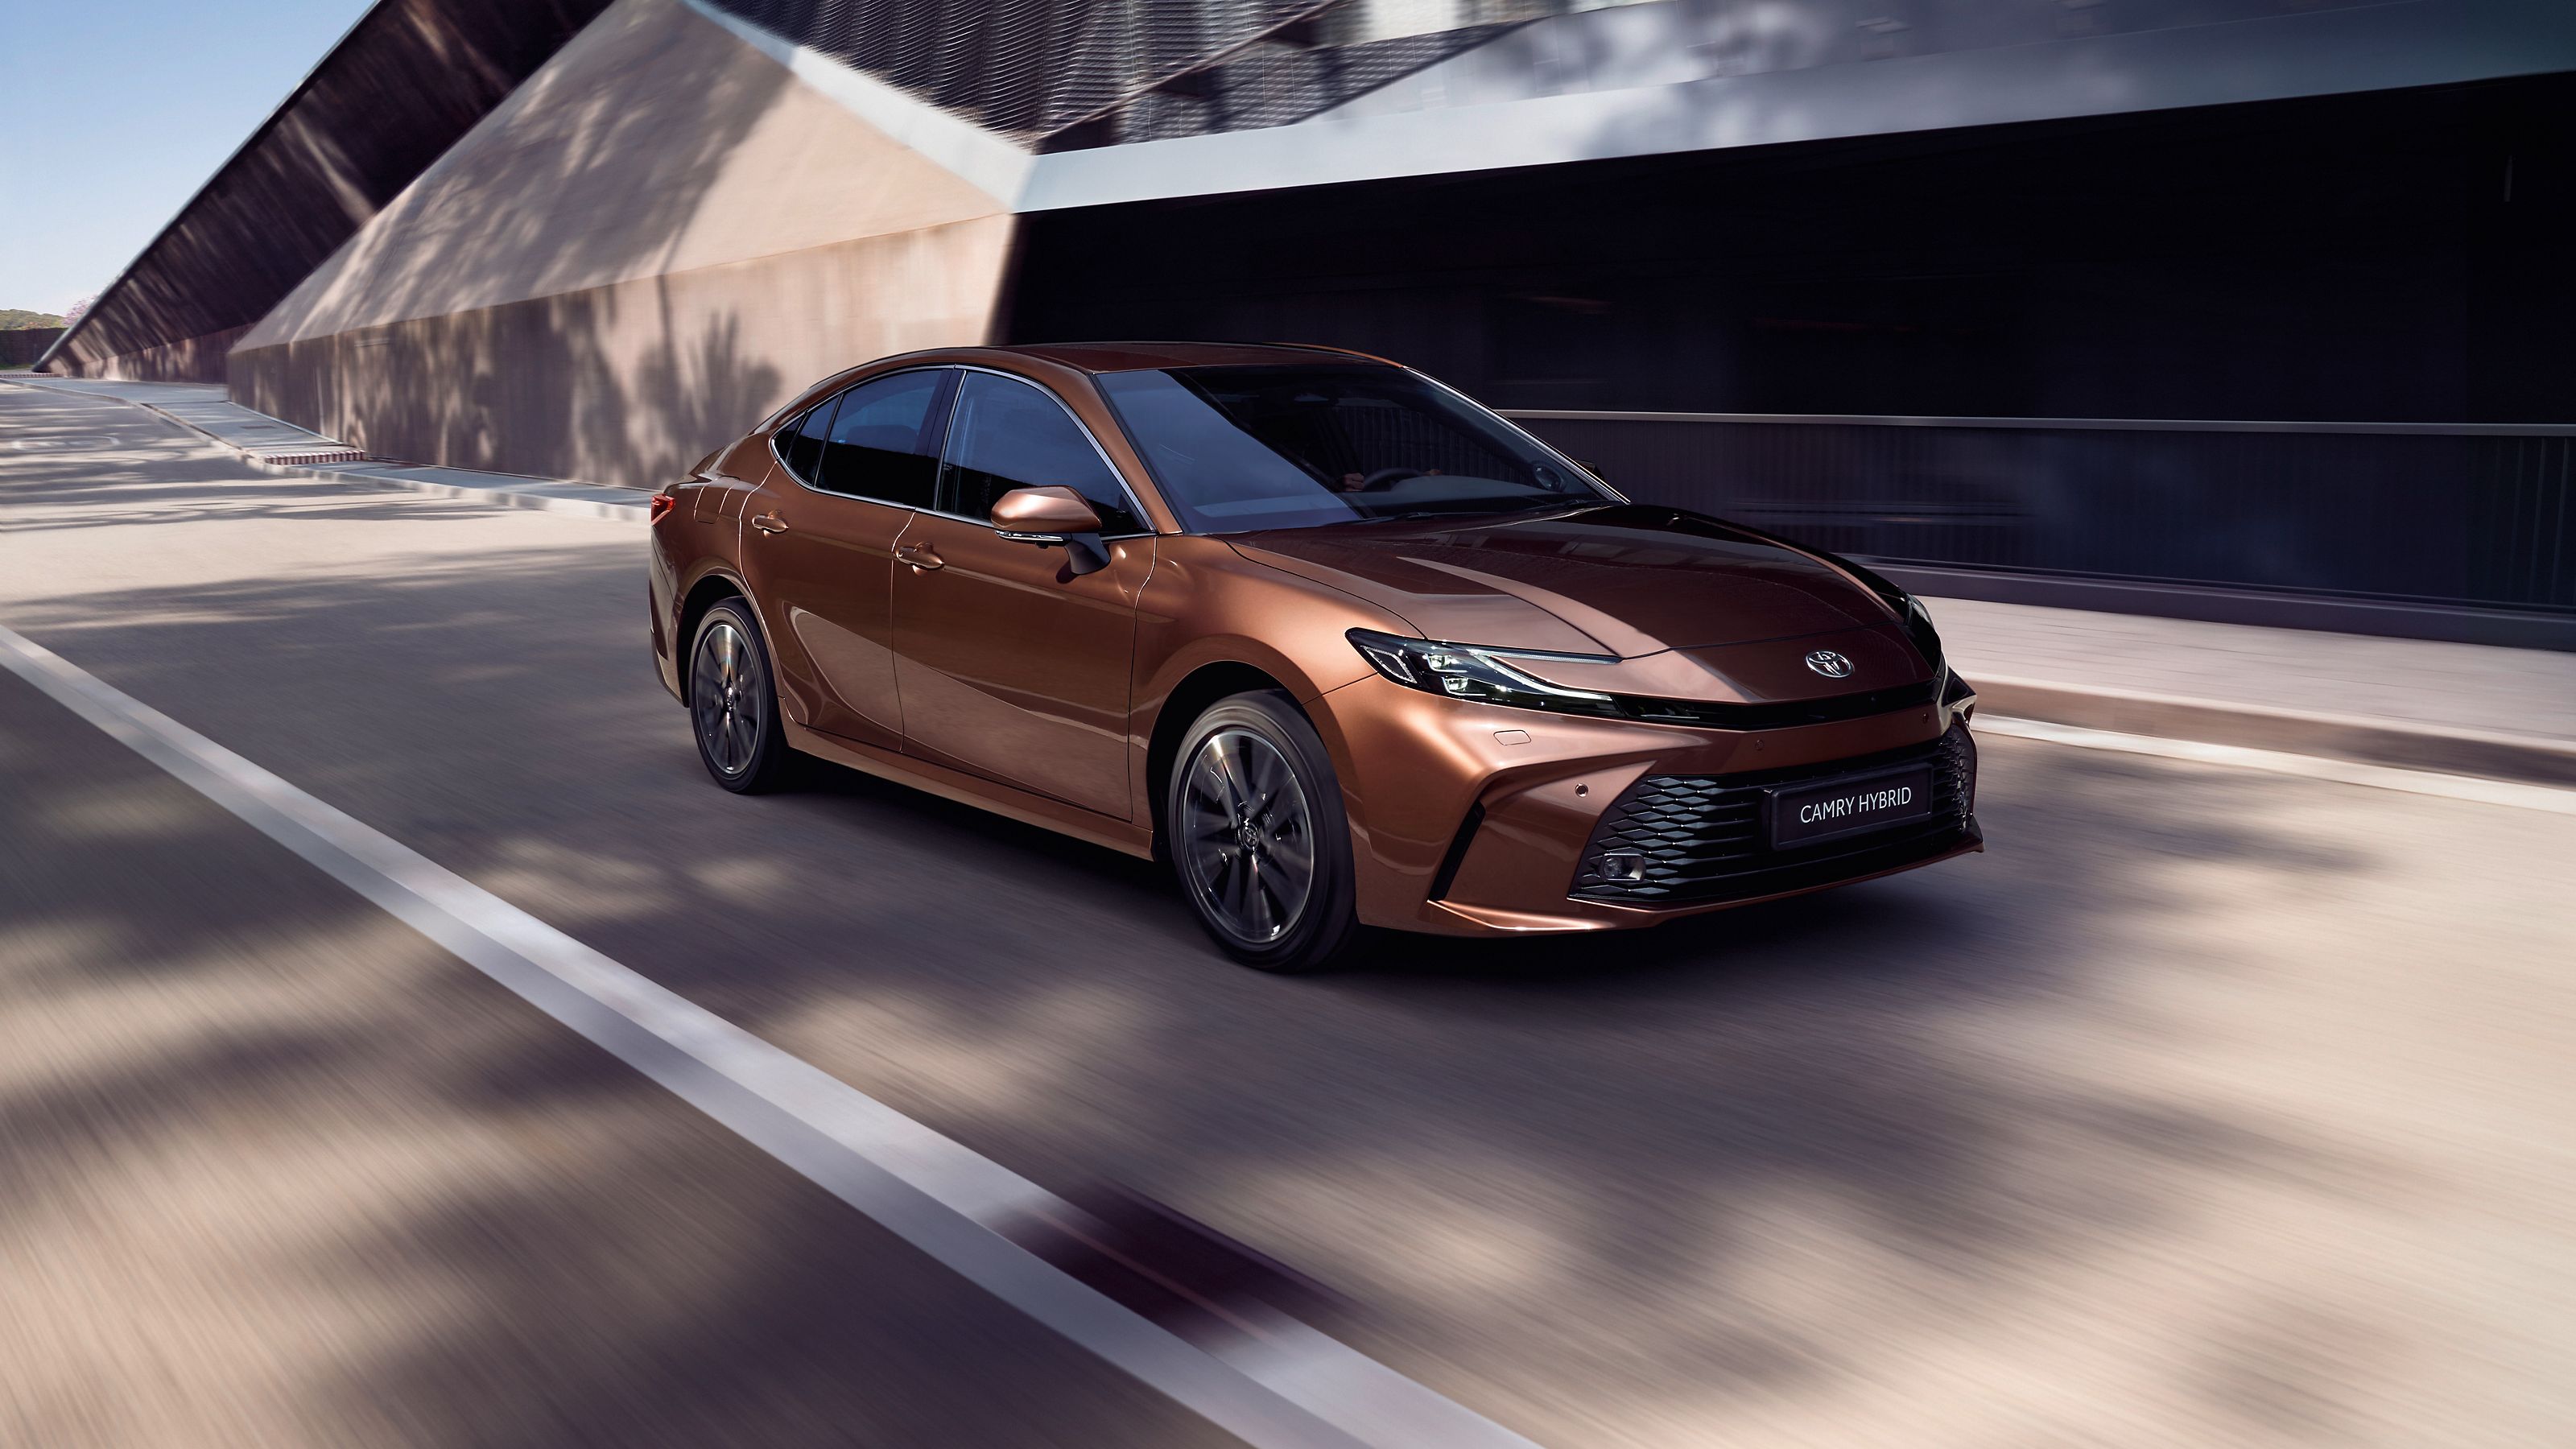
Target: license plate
(1803,814)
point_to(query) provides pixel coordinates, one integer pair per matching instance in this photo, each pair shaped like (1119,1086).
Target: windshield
(1242,448)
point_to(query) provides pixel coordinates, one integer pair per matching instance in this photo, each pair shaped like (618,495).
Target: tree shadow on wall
(581,188)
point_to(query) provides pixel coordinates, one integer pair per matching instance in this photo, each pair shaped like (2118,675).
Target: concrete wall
(650,245)
(408,80)
(193,359)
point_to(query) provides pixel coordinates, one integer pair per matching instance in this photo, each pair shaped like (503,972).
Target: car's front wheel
(1254,820)
(732,707)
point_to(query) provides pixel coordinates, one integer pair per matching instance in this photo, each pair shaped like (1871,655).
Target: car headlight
(1463,671)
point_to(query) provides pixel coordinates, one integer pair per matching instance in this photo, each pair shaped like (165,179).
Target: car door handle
(920,556)
(769,523)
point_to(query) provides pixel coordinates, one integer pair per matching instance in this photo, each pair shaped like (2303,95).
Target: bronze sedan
(1345,647)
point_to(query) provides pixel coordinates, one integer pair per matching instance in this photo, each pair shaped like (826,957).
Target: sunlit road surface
(2208,1107)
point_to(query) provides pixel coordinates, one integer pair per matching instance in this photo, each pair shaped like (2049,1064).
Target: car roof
(1137,356)
(1091,357)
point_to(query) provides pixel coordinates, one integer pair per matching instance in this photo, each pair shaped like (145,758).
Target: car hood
(1620,579)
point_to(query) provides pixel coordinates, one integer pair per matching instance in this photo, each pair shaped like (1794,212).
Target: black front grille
(1701,836)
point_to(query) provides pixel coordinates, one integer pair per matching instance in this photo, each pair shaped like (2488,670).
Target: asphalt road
(2208,1107)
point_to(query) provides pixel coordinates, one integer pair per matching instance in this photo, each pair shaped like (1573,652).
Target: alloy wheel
(723,695)
(1247,837)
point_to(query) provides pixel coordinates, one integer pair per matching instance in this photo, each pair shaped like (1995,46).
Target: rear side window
(882,443)
(1012,434)
(800,442)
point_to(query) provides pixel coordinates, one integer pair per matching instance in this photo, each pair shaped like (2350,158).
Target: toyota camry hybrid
(1343,646)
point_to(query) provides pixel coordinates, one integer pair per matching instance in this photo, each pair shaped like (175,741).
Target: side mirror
(1053,516)
(1043,515)
(1593,468)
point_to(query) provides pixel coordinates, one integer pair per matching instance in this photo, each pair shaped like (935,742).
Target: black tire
(733,708)
(1252,785)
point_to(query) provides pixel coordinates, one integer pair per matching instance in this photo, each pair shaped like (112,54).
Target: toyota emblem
(1829,664)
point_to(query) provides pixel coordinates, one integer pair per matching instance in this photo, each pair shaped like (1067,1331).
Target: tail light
(662,503)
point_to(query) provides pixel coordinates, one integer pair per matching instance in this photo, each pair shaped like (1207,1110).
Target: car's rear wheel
(732,708)
(1254,820)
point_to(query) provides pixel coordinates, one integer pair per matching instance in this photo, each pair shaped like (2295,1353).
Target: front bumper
(1473,819)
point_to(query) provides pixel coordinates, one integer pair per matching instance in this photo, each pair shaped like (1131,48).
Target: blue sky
(118,110)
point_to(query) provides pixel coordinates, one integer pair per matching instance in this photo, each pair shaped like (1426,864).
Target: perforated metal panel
(1064,74)
(1027,68)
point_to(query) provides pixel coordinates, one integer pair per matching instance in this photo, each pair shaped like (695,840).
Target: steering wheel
(1385,478)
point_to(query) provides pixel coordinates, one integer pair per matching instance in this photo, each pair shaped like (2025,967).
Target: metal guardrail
(2464,515)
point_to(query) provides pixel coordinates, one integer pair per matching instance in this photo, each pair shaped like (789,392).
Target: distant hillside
(14,320)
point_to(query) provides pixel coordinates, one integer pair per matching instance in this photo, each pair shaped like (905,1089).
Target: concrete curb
(2501,628)
(2488,754)
(381,476)
(498,497)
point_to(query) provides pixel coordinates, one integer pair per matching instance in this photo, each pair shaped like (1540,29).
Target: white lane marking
(1302,1389)
(2280,762)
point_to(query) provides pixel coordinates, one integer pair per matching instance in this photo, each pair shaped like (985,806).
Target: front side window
(884,443)
(1242,448)
(1011,434)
